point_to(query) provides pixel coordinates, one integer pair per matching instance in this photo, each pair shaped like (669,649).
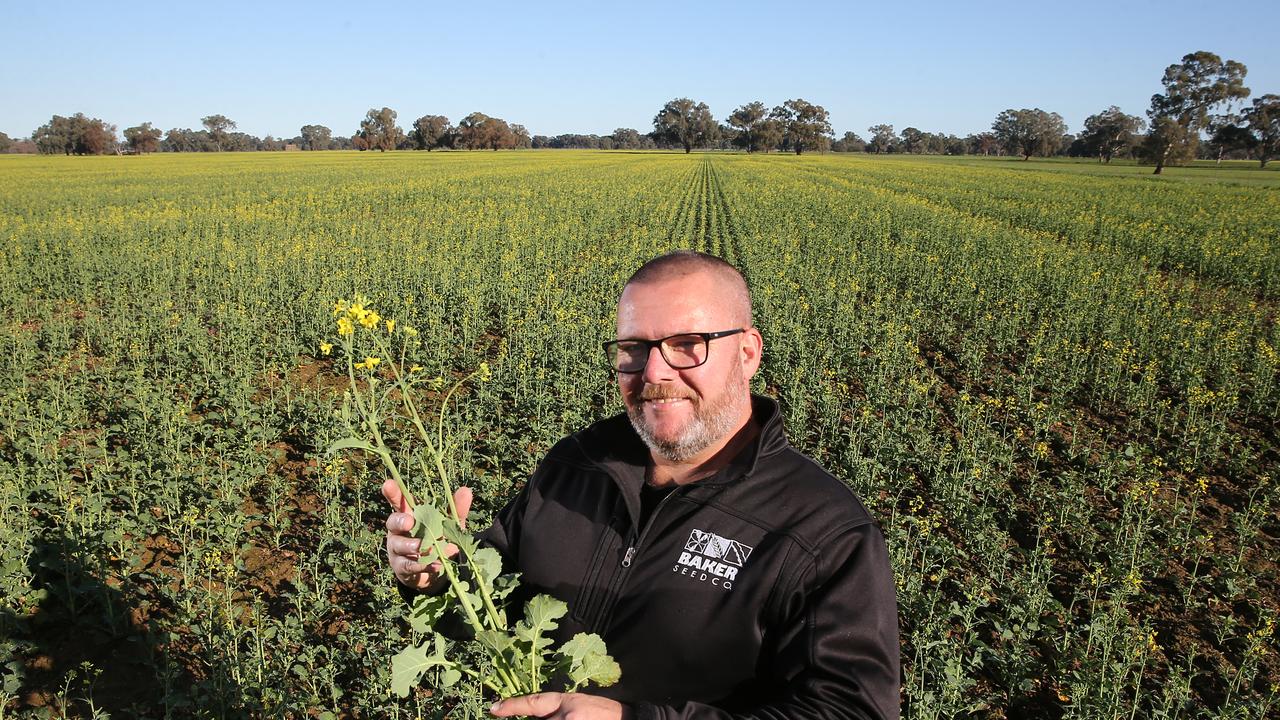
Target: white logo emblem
(717,559)
(712,545)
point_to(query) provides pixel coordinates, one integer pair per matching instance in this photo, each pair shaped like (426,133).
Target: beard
(712,420)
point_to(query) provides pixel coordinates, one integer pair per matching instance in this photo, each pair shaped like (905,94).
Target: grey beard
(710,423)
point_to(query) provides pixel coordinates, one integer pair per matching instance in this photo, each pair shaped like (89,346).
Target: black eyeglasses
(681,352)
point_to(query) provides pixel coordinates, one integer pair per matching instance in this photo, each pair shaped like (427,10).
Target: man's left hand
(562,706)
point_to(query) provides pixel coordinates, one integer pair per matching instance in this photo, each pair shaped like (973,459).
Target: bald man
(730,575)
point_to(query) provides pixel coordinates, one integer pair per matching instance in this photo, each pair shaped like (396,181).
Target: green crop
(508,659)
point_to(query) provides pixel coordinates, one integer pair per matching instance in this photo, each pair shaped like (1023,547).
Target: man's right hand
(403,549)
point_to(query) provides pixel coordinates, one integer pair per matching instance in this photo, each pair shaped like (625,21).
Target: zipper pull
(626,559)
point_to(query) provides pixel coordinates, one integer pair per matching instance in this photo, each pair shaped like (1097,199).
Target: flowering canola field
(1059,393)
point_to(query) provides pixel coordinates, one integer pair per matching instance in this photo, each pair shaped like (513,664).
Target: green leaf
(496,641)
(408,665)
(349,444)
(450,677)
(589,661)
(426,611)
(540,615)
(487,563)
(430,523)
(463,539)
(504,585)
(542,611)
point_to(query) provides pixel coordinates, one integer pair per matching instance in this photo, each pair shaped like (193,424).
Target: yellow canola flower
(339,307)
(345,327)
(391,326)
(370,319)
(326,348)
(415,368)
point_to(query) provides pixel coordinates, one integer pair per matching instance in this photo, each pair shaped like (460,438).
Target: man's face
(681,413)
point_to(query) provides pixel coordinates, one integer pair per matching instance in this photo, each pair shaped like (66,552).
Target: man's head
(690,413)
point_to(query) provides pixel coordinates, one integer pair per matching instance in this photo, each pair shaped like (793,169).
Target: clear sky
(591,67)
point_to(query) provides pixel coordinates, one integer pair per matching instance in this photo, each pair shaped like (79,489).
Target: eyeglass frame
(707,337)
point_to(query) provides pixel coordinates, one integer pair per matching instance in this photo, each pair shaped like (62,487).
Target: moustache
(662,392)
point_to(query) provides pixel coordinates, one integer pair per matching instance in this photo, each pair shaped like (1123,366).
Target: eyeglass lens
(680,352)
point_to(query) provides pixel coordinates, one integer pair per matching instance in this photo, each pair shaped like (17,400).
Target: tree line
(1199,113)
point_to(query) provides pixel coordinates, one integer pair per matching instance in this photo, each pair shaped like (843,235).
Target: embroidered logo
(711,557)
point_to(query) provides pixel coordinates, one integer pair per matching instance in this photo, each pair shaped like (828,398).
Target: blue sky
(592,67)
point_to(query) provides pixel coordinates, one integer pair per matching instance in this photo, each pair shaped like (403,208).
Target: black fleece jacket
(763,591)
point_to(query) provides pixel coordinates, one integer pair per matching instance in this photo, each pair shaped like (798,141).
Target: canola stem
(455,584)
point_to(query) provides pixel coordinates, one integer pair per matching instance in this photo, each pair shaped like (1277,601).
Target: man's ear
(751,348)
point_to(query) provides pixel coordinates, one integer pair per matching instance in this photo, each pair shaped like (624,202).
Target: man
(730,576)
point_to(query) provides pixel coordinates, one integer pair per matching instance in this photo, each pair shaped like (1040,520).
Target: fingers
(462,500)
(400,523)
(391,491)
(537,705)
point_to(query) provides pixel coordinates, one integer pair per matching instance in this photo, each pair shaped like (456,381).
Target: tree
(478,131)
(379,131)
(882,138)
(1193,88)
(1110,132)
(912,140)
(143,138)
(75,135)
(187,140)
(430,132)
(520,138)
(849,142)
(746,120)
(627,139)
(1263,121)
(316,137)
(804,125)
(683,122)
(5,143)
(1228,138)
(770,133)
(1029,131)
(218,125)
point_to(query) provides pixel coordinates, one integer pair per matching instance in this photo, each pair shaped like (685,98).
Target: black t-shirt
(650,497)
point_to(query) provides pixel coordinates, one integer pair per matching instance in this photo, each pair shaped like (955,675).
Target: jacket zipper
(635,543)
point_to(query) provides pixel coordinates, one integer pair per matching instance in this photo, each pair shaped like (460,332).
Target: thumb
(537,705)
(462,500)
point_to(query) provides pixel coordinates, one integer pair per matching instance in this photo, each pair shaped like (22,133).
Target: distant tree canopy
(478,131)
(315,137)
(5,143)
(75,135)
(849,143)
(1194,116)
(378,130)
(629,139)
(143,138)
(804,125)
(431,132)
(685,123)
(748,120)
(1193,89)
(1263,122)
(217,127)
(1110,133)
(882,139)
(1028,132)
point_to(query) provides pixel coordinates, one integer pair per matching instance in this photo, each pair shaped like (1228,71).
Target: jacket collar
(614,447)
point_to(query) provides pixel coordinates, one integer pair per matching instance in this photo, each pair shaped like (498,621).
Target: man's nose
(656,369)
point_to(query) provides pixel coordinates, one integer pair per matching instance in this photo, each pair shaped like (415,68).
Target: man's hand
(402,549)
(562,706)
